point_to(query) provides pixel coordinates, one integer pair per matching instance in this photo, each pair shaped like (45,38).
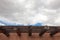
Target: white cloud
(57,20)
(2,24)
(31,11)
(39,18)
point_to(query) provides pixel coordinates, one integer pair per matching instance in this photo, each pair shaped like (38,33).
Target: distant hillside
(6,23)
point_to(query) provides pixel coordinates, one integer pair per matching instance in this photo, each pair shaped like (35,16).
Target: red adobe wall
(14,36)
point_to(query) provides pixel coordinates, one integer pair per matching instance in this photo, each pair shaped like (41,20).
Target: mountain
(6,23)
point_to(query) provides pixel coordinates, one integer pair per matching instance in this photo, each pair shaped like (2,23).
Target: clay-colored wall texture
(24,36)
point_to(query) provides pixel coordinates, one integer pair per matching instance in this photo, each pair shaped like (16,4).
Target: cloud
(39,18)
(52,4)
(2,24)
(30,11)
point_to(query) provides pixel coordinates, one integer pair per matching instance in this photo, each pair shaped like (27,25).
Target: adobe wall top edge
(30,26)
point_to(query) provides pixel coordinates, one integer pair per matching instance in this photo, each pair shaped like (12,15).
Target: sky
(31,11)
